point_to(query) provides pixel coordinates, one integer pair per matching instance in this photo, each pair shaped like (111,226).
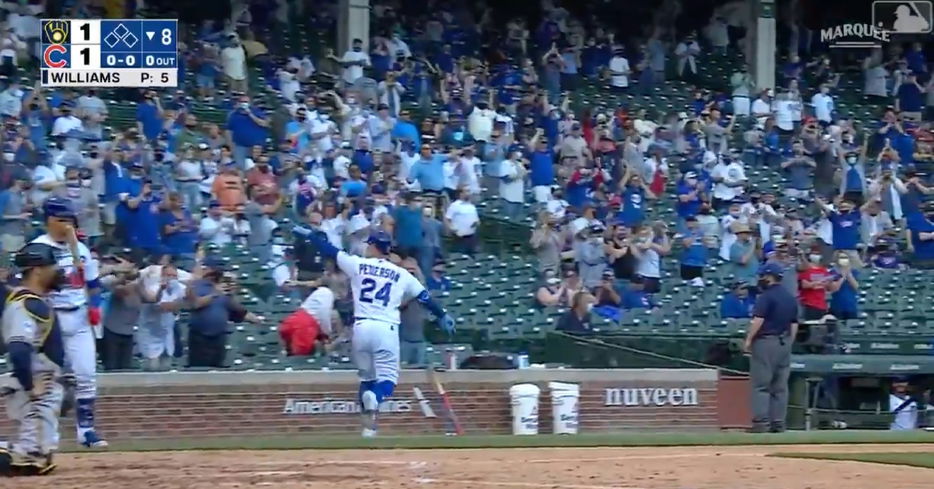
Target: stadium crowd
(409,130)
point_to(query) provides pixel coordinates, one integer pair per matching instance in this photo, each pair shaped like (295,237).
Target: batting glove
(447,324)
(94,316)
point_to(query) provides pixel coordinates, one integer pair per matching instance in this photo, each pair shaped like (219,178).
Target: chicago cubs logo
(54,56)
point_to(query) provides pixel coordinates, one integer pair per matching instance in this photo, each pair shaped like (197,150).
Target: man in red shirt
(814,283)
(263,178)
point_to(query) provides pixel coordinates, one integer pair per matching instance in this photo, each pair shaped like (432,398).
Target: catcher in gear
(33,340)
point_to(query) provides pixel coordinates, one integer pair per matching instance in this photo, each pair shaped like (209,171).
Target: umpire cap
(58,207)
(381,240)
(35,255)
(772,269)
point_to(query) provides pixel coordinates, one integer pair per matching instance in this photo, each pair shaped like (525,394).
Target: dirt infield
(732,467)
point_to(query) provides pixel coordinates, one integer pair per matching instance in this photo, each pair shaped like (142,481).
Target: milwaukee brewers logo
(56,31)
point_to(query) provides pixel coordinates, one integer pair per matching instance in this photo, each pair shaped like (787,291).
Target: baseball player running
(33,341)
(380,289)
(77,306)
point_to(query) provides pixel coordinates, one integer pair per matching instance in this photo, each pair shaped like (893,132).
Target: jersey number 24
(382,295)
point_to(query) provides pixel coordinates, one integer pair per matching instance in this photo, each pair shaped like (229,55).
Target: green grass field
(632,439)
(914,459)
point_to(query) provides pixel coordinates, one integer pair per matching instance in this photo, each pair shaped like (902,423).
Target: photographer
(548,242)
(800,168)
(142,220)
(606,293)
(213,306)
(888,190)
(590,255)
(119,278)
(651,244)
(786,256)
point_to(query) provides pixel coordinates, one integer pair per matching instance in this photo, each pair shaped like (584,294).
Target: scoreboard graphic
(109,53)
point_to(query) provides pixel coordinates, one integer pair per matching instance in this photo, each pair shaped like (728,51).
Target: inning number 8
(166,37)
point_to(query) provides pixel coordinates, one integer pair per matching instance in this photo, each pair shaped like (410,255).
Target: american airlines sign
(651,396)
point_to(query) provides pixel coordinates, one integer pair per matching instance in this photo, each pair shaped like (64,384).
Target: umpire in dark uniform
(772,330)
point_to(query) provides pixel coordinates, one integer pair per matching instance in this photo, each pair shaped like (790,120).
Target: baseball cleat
(6,462)
(31,465)
(368,433)
(91,440)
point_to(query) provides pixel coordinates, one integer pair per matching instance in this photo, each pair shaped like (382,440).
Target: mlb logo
(902,17)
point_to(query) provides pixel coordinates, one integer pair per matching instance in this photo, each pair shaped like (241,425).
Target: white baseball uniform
(379,289)
(70,304)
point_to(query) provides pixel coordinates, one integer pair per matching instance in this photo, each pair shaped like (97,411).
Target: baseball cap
(214,263)
(773,269)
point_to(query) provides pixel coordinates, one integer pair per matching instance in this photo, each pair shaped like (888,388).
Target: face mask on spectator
(814,258)
(86,183)
(8,157)
(851,159)
(843,262)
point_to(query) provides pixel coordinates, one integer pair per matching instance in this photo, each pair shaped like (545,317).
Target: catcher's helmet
(58,207)
(381,240)
(35,255)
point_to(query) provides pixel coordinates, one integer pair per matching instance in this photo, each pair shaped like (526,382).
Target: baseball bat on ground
(435,380)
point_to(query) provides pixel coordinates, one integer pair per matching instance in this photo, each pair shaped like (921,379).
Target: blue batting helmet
(58,207)
(772,269)
(381,240)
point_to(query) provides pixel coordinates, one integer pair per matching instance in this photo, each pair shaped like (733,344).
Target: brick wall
(138,410)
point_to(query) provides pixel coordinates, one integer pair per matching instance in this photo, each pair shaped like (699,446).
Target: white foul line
(640,457)
(285,463)
(483,483)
